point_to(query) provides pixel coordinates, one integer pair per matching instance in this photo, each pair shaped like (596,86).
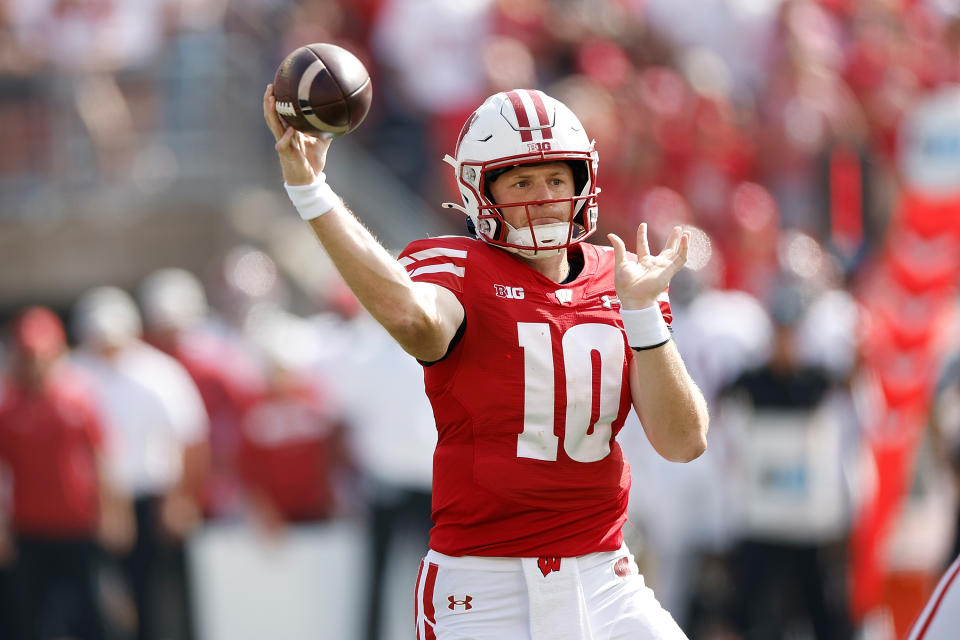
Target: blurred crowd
(810,145)
(167,414)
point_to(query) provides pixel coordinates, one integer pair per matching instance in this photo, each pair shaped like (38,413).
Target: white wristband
(312,200)
(645,328)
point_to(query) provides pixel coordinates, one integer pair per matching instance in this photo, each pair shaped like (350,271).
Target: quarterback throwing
(536,346)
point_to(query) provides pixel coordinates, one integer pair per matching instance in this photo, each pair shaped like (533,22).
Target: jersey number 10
(593,368)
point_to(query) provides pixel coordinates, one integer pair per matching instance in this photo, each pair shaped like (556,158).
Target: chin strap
(543,236)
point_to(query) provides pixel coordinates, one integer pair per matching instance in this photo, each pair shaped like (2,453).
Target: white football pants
(599,596)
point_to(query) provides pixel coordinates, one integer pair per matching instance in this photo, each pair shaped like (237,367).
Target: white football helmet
(172,298)
(106,316)
(520,127)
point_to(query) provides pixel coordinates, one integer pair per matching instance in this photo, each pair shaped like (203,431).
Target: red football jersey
(50,440)
(285,453)
(527,405)
(230,383)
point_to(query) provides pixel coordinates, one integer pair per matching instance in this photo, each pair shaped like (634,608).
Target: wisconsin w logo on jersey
(564,296)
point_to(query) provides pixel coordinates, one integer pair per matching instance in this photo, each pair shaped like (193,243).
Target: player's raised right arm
(422,317)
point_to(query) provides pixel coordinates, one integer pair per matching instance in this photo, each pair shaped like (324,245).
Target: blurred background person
(391,439)
(293,458)
(945,431)
(794,426)
(156,433)
(684,515)
(178,321)
(52,440)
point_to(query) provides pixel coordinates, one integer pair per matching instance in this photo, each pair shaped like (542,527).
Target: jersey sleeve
(441,261)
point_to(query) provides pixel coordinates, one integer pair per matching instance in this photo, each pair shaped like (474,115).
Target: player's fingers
(619,248)
(673,241)
(643,247)
(683,248)
(286,140)
(679,257)
(320,142)
(270,114)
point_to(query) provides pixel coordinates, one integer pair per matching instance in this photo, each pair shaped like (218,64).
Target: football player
(536,345)
(940,618)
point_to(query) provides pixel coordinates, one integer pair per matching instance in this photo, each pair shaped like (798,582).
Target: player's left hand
(640,281)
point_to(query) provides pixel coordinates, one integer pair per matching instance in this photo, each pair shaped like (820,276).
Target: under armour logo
(564,296)
(465,603)
(609,301)
(548,564)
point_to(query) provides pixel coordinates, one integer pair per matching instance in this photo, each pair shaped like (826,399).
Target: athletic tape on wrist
(312,200)
(645,327)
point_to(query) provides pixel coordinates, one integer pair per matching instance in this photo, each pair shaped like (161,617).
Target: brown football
(322,88)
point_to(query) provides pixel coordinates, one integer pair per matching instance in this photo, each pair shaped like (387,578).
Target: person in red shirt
(536,346)
(291,452)
(50,439)
(177,320)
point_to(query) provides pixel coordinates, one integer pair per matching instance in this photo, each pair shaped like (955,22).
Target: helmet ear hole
(490,177)
(580,175)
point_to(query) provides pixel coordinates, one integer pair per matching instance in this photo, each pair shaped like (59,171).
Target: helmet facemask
(496,138)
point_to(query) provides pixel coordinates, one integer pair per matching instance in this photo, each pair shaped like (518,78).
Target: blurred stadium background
(813,146)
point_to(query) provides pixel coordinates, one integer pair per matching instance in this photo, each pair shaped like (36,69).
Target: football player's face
(530,183)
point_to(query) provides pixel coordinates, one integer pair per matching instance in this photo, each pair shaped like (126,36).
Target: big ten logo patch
(533,147)
(511,293)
